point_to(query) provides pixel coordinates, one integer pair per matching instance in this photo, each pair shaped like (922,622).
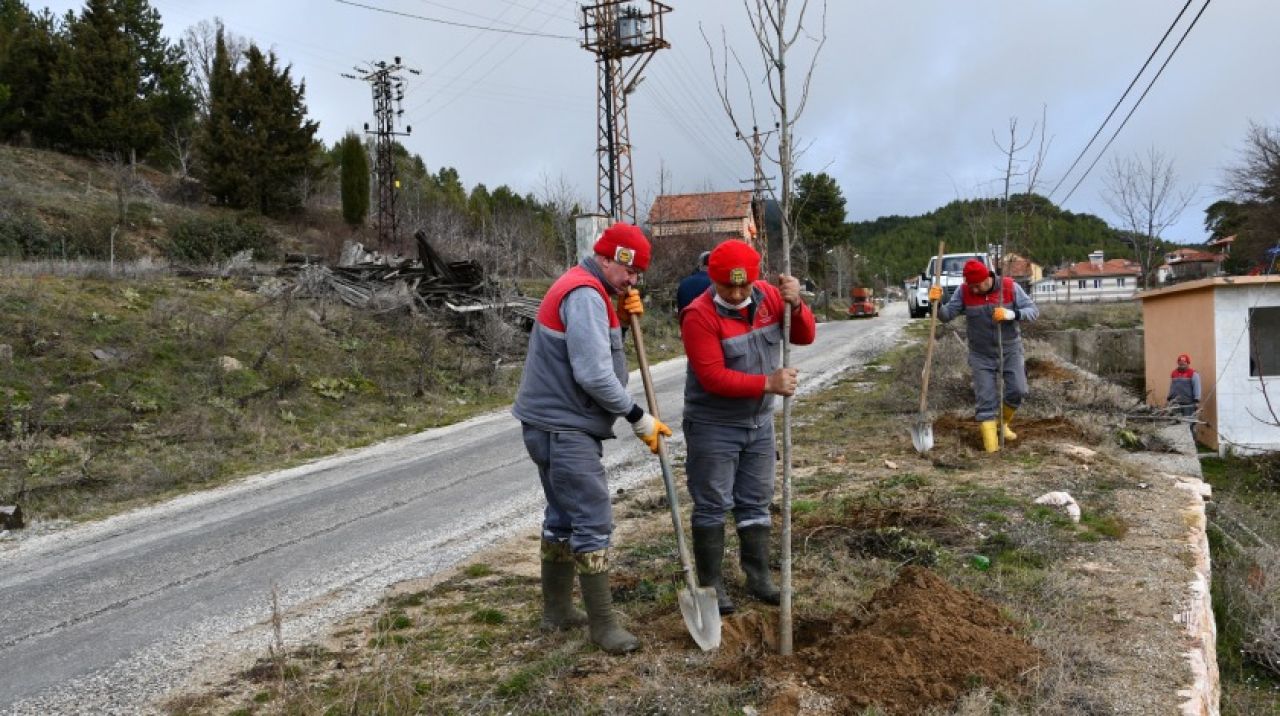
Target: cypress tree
(29,47)
(355,180)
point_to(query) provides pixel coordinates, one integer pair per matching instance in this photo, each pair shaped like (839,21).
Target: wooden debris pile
(367,280)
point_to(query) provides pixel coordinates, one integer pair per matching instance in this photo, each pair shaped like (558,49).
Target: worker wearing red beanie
(573,389)
(732,337)
(1184,391)
(987,310)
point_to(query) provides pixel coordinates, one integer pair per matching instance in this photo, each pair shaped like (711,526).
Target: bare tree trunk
(774,37)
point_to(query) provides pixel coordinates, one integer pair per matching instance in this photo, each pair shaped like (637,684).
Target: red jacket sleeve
(706,360)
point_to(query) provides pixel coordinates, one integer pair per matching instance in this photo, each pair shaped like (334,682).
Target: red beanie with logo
(1184,358)
(975,272)
(734,263)
(625,244)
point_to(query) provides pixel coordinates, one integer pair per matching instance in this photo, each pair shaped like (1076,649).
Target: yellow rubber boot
(1008,418)
(990,437)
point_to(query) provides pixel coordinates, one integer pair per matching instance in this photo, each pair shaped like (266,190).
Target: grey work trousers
(984,381)
(730,468)
(575,485)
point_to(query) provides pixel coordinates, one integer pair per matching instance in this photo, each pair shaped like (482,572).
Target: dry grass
(865,504)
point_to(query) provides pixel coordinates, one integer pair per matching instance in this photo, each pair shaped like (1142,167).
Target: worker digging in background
(733,339)
(990,303)
(1184,390)
(573,389)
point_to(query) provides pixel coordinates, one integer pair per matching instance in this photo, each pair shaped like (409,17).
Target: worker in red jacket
(1184,390)
(733,339)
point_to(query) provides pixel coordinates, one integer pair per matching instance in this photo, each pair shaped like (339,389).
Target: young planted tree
(776,32)
(355,180)
(1144,194)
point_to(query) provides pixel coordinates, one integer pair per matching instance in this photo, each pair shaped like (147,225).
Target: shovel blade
(701,614)
(922,436)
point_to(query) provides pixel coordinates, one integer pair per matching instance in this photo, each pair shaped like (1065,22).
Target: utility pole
(760,185)
(388,96)
(614,31)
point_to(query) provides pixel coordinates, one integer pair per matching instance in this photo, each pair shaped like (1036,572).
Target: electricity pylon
(616,31)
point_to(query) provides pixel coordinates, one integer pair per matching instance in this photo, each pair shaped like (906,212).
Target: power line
(1121,100)
(1136,104)
(469,26)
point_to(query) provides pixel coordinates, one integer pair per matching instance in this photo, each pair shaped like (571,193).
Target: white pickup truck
(952,276)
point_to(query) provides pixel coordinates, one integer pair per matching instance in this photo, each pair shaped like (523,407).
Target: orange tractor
(862,305)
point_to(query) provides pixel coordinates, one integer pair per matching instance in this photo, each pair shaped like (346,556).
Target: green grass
(157,414)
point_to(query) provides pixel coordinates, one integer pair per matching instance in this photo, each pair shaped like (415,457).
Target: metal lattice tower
(388,95)
(760,186)
(615,31)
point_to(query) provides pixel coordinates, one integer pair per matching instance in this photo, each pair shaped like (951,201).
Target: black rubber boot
(605,631)
(558,572)
(708,555)
(753,544)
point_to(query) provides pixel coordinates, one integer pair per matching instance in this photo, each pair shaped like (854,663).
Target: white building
(1094,280)
(1230,326)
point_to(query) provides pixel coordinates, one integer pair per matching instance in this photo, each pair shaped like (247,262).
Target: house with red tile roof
(705,219)
(1098,279)
(1021,269)
(1186,264)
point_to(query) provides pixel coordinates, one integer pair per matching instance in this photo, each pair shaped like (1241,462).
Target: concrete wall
(1105,351)
(1243,424)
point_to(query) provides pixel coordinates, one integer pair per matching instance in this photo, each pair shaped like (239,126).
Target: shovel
(698,605)
(922,430)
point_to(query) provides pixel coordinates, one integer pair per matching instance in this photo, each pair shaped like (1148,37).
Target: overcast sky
(904,101)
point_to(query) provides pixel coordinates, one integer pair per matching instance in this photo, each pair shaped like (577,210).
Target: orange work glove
(647,428)
(629,305)
(1002,314)
(935,293)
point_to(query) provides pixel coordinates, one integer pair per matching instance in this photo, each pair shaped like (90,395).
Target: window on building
(1097,283)
(1264,341)
(1062,283)
(1081,283)
(1122,281)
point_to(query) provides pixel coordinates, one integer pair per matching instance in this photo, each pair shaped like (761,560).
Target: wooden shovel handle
(933,325)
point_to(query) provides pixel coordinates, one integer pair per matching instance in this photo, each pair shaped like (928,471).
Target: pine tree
(355,180)
(29,47)
(258,146)
(120,85)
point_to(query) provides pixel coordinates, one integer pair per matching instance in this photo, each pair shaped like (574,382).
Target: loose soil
(922,644)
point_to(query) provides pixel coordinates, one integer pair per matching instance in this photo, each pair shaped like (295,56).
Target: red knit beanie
(1184,358)
(975,272)
(734,263)
(626,244)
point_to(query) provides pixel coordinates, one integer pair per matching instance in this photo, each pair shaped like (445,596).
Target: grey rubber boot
(558,572)
(708,555)
(753,544)
(593,578)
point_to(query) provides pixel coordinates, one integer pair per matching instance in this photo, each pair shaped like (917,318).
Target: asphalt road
(107,617)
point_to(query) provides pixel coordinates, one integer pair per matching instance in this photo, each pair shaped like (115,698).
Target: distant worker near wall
(1184,390)
(991,304)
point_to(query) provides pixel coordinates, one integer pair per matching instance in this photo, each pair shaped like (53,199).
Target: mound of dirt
(923,643)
